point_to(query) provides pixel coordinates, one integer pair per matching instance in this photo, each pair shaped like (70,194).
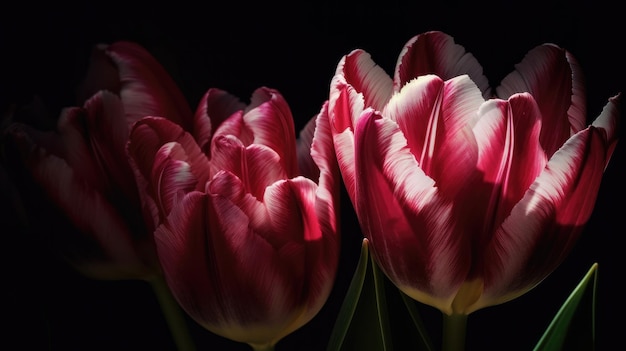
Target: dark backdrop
(295,49)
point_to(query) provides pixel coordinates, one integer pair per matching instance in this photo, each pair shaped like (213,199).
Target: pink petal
(146,87)
(257,166)
(344,108)
(436,53)
(293,212)
(436,118)
(89,211)
(172,177)
(510,158)
(323,153)
(214,108)
(238,245)
(554,78)
(404,216)
(76,152)
(108,133)
(146,138)
(269,119)
(544,226)
(608,123)
(367,78)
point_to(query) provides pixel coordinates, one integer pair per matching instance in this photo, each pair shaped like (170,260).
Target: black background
(295,49)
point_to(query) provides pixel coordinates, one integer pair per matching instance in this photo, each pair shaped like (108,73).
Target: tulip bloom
(248,236)
(468,199)
(83,167)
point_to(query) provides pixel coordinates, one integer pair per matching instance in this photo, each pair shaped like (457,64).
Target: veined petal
(323,153)
(214,108)
(292,208)
(554,78)
(269,119)
(148,136)
(608,123)
(366,77)
(548,219)
(436,53)
(405,218)
(270,311)
(107,134)
(172,177)
(76,151)
(256,165)
(146,87)
(89,212)
(510,157)
(436,118)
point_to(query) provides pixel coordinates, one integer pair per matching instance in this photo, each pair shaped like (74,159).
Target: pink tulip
(83,167)
(248,235)
(468,200)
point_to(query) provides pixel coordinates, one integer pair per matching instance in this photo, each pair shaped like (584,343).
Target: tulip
(248,235)
(468,199)
(83,168)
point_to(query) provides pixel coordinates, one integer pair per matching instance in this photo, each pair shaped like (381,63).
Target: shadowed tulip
(83,168)
(468,199)
(248,235)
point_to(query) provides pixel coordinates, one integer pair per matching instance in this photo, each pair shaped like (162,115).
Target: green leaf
(424,341)
(363,322)
(556,336)
(349,305)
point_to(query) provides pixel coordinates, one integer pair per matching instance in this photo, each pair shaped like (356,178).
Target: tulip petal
(608,123)
(292,209)
(172,177)
(554,78)
(544,226)
(436,53)
(323,153)
(436,118)
(107,134)
(146,138)
(404,216)
(269,118)
(256,165)
(510,158)
(367,78)
(88,210)
(146,87)
(214,108)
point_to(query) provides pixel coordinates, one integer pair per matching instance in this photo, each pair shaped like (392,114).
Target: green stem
(454,328)
(262,347)
(173,315)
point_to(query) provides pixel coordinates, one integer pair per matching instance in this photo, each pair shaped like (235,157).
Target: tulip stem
(173,315)
(454,327)
(262,347)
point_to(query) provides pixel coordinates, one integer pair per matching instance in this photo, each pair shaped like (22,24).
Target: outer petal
(256,165)
(436,53)
(269,118)
(366,77)
(548,219)
(90,212)
(214,108)
(553,77)
(145,88)
(148,136)
(510,159)
(405,218)
(323,153)
(107,135)
(436,118)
